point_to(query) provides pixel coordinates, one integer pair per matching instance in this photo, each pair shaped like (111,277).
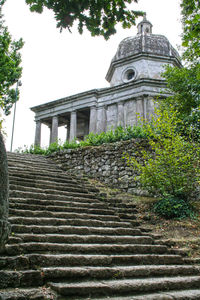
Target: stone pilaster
(38,133)
(120,114)
(140,109)
(73,125)
(54,130)
(101,119)
(93,119)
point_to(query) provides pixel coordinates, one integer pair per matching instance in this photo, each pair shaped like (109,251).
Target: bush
(172,167)
(171,207)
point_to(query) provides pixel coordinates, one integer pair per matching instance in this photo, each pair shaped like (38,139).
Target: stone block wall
(104,163)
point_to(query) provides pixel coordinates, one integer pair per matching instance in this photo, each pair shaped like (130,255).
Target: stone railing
(104,163)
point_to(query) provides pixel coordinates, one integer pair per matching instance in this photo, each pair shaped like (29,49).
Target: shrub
(171,207)
(172,167)
(111,136)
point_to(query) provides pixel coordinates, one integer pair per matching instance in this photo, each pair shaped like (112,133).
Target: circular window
(129,75)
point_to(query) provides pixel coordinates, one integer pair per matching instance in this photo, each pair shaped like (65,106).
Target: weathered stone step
(72,204)
(86,239)
(12,164)
(35,169)
(193,294)
(27,294)
(124,287)
(47,188)
(61,208)
(38,260)
(46,177)
(34,181)
(128,216)
(68,200)
(49,195)
(25,278)
(63,221)
(119,271)
(59,175)
(61,214)
(27,156)
(73,230)
(54,247)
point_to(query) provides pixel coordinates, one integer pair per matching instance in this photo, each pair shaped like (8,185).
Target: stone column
(93,119)
(101,119)
(54,130)
(68,130)
(120,114)
(73,125)
(38,133)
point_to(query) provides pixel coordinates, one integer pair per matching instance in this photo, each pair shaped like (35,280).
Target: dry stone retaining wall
(104,163)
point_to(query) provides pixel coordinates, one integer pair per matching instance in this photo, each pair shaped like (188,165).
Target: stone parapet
(105,163)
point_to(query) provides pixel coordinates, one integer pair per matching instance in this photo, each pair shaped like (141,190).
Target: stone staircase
(67,243)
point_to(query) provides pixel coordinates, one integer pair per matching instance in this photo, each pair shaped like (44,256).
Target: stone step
(12,163)
(63,221)
(124,287)
(39,260)
(59,175)
(193,294)
(85,230)
(72,204)
(50,195)
(26,278)
(41,293)
(60,179)
(86,239)
(27,156)
(82,248)
(61,214)
(47,188)
(34,181)
(68,200)
(61,208)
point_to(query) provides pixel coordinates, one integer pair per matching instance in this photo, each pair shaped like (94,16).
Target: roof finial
(144,27)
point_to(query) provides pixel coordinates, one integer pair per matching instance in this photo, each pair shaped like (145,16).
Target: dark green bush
(171,207)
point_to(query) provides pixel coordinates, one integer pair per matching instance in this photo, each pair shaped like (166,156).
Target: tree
(10,72)
(185,83)
(191,29)
(98,16)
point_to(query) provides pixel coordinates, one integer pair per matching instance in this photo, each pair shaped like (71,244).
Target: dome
(143,56)
(145,42)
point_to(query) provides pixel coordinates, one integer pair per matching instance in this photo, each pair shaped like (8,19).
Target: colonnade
(97,120)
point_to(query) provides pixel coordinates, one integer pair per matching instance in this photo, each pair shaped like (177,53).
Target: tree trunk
(4,225)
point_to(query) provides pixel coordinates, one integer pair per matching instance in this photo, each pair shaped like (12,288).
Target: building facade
(135,77)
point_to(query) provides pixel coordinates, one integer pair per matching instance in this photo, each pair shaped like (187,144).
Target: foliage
(191,29)
(172,167)
(10,70)
(185,85)
(119,134)
(98,16)
(170,207)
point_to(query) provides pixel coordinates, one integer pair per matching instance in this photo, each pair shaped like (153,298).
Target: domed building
(135,77)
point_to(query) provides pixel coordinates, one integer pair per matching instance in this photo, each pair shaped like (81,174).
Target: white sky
(57,64)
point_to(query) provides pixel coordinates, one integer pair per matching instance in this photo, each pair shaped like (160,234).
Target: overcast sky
(57,64)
